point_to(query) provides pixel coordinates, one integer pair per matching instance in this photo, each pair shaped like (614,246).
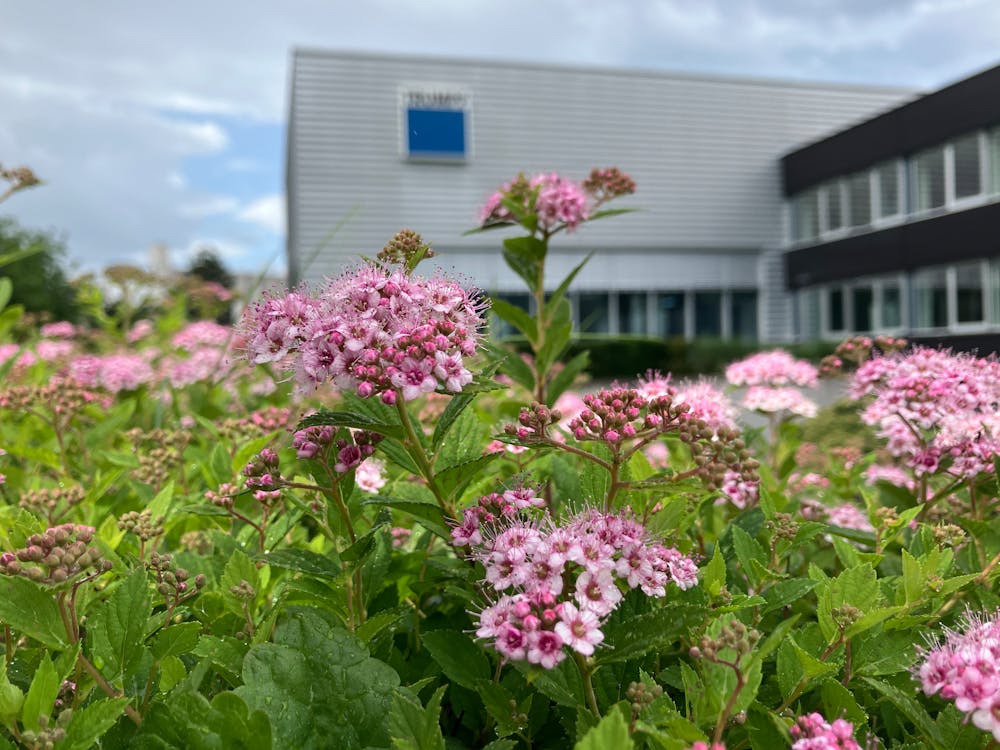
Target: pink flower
(774,368)
(62,329)
(776,400)
(545,648)
(369,475)
(578,629)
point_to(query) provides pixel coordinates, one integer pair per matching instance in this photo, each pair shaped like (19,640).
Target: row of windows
(951,176)
(725,313)
(956,298)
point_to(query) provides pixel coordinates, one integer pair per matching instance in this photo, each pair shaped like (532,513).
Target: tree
(207,267)
(40,283)
(209,296)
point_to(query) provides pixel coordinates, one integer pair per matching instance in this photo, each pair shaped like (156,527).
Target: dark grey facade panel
(965,106)
(965,235)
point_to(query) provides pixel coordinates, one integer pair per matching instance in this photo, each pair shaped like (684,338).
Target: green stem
(419,455)
(588,684)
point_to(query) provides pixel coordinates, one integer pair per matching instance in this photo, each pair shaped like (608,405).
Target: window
(930,298)
(743,315)
(632,312)
(708,313)
(993,142)
(670,313)
(887,178)
(968,180)
(928,180)
(834,208)
(593,312)
(805,217)
(891,308)
(863,308)
(835,310)
(859,191)
(969,293)
(809,315)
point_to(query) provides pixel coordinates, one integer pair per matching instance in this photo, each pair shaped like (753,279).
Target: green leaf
(519,371)
(187,721)
(714,574)
(557,335)
(453,480)
(172,671)
(784,593)
(839,701)
(117,628)
(176,640)
(747,550)
(319,687)
(451,413)
(224,654)
(913,578)
(429,515)
(41,697)
(413,727)
(6,288)
(304,561)
(524,256)
(611,733)
(604,214)
(517,317)
(633,637)
(218,469)
(11,697)
(460,658)
(463,443)
(31,611)
(91,722)
(502,706)
(560,292)
(566,376)
(856,586)
(909,707)
(564,684)
(354,419)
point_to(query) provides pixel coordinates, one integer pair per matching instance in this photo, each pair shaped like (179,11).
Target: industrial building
(758,199)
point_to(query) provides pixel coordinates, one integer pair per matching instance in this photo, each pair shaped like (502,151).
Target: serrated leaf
(41,695)
(909,708)
(91,722)
(564,684)
(319,686)
(713,575)
(225,655)
(458,404)
(327,565)
(463,443)
(31,611)
(500,702)
(556,297)
(453,480)
(635,636)
(784,593)
(462,660)
(176,639)
(117,628)
(428,515)
(747,550)
(519,371)
(187,721)
(557,335)
(413,727)
(610,732)
(353,419)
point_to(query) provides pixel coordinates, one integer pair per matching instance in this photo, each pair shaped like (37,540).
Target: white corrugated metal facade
(703,151)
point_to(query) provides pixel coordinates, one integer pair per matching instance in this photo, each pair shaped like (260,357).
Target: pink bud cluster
(374,331)
(707,403)
(813,732)
(56,556)
(263,476)
(558,583)
(492,509)
(937,410)
(965,669)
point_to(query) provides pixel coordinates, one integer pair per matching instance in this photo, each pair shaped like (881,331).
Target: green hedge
(625,357)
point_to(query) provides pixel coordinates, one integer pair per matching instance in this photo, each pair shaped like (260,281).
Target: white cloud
(211,205)
(267,212)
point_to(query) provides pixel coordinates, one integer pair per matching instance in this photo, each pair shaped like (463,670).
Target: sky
(164,123)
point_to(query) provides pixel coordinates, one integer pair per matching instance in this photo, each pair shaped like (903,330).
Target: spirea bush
(354,521)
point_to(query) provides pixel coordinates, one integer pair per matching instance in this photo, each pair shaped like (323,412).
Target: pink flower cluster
(374,331)
(62,329)
(774,368)
(965,669)
(202,333)
(557,201)
(936,409)
(773,400)
(113,372)
(813,732)
(557,584)
(891,474)
(708,403)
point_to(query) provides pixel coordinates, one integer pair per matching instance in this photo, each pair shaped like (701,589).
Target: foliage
(39,280)
(187,561)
